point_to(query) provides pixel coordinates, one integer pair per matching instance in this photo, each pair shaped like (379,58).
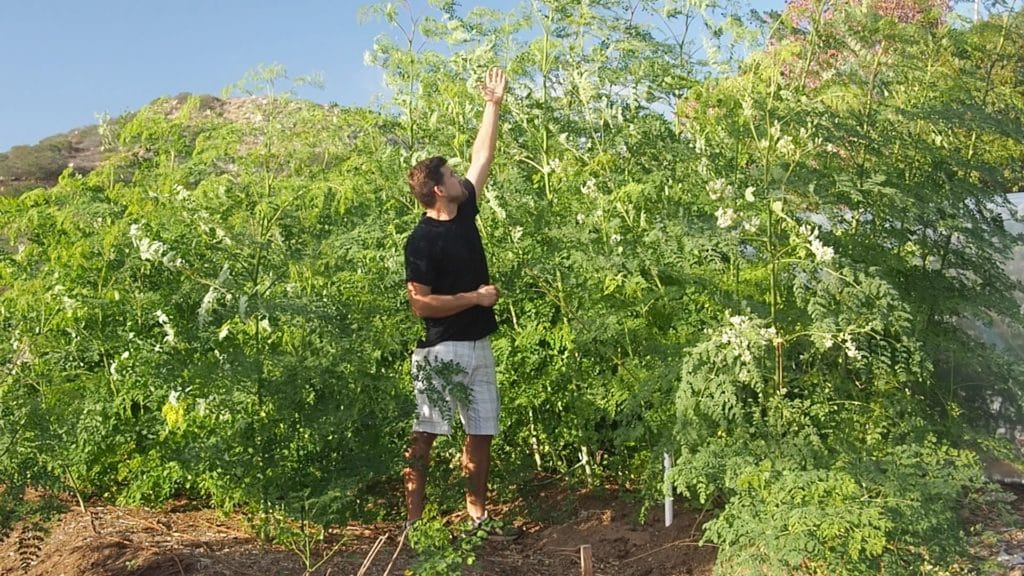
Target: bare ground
(119,541)
(108,540)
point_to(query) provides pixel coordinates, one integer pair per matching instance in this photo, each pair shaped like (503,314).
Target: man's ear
(439,191)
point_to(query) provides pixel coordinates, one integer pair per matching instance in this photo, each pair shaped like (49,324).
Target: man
(449,287)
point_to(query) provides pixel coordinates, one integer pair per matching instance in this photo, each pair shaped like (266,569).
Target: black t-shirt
(448,256)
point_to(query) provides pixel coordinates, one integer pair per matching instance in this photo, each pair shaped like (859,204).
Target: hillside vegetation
(763,267)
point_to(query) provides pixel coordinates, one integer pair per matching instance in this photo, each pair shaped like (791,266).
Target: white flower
(113,370)
(821,252)
(749,194)
(172,398)
(752,225)
(223,332)
(552,166)
(726,216)
(748,108)
(703,165)
(616,238)
(170,260)
(150,249)
(771,335)
(165,322)
(590,187)
(785,146)
(719,188)
(265,325)
(208,302)
(851,349)
(827,341)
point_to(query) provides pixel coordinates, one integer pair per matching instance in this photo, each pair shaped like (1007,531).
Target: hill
(30,166)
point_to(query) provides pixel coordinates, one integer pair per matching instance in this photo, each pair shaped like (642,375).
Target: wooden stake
(586,562)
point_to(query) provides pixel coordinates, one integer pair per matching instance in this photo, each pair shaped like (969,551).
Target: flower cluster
(849,346)
(165,323)
(742,332)
(726,216)
(719,188)
(114,375)
(822,253)
(152,250)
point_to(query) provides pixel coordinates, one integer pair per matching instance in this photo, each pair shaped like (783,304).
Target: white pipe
(668,489)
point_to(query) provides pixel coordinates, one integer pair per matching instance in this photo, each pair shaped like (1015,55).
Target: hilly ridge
(29,166)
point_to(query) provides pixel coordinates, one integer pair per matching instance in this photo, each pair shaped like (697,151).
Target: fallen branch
(660,548)
(373,552)
(395,555)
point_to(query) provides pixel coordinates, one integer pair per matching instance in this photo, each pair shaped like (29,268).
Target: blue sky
(67,60)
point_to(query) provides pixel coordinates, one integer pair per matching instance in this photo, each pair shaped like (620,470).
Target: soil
(108,540)
(120,541)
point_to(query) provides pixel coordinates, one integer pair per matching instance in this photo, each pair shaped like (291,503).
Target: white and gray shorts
(456,376)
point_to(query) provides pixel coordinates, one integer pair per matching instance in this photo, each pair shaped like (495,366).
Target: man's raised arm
(482,154)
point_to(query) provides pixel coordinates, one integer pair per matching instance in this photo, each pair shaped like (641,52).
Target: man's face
(452,186)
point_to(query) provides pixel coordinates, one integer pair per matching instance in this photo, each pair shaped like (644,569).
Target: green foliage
(438,552)
(305,539)
(866,225)
(194,317)
(773,267)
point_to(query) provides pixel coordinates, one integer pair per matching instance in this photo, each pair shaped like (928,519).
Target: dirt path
(120,541)
(116,541)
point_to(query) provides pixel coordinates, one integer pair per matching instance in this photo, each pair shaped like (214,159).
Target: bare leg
(476,463)
(415,474)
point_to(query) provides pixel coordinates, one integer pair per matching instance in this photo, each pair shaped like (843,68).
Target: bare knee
(476,451)
(418,453)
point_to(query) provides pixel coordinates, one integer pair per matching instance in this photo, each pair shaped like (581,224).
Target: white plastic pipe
(668,490)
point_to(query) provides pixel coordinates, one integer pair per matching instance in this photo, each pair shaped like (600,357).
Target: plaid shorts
(456,376)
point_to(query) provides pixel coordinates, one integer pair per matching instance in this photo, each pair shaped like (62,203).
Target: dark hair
(424,176)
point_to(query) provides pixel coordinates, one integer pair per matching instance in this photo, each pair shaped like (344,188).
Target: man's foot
(490,529)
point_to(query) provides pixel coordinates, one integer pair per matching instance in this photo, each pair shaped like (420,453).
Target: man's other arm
(425,304)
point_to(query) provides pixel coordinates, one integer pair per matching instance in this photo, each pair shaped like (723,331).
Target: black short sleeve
(471,200)
(448,256)
(419,261)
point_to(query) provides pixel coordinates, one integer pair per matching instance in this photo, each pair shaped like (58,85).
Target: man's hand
(487,295)
(493,89)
